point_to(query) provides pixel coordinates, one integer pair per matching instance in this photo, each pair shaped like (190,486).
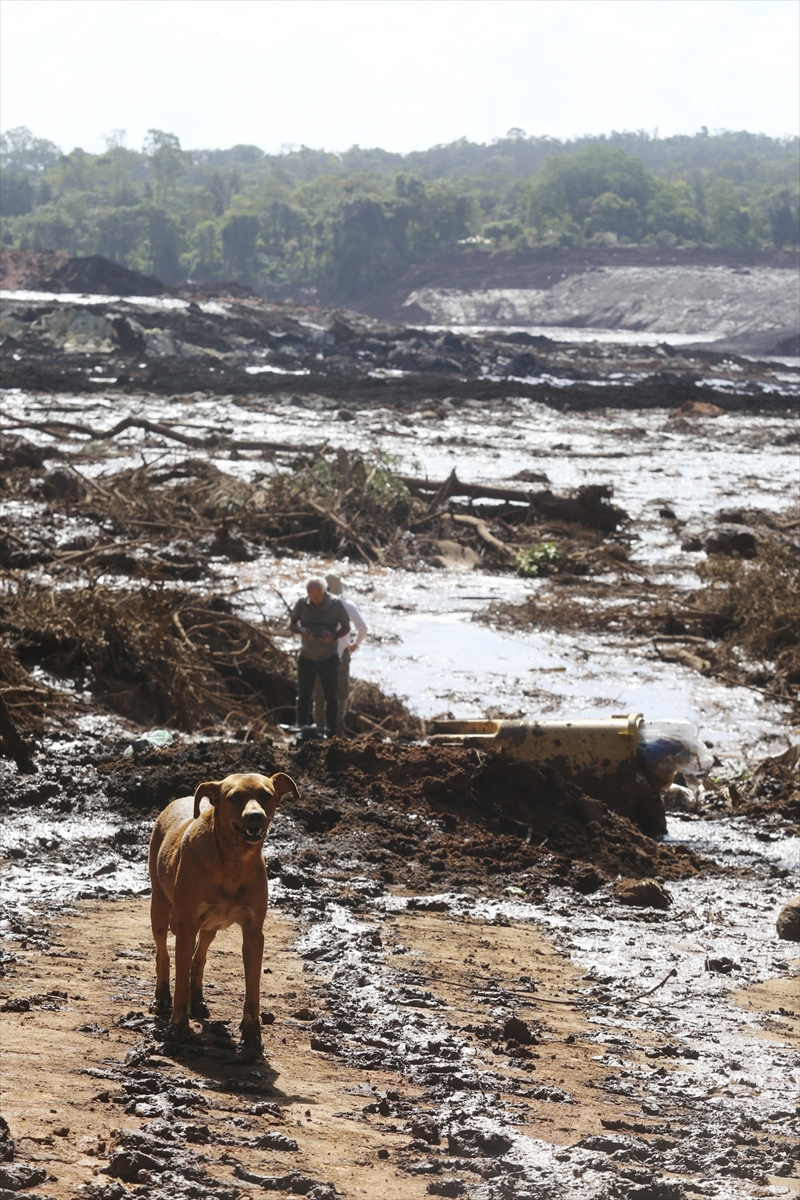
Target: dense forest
(346,223)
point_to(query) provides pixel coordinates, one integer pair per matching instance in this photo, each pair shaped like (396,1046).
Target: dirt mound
(50,271)
(545,268)
(432,818)
(29,270)
(471,814)
(98,274)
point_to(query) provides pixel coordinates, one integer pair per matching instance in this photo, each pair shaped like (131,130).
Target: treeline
(347,223)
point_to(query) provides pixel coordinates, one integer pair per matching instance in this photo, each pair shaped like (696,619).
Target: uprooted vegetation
(153,655)
(753,602)
(741,626)
(159,656)
(161,520)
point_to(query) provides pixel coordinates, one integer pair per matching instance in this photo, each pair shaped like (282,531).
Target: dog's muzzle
(251,835)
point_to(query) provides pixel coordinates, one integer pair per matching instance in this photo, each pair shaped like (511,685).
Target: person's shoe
(309,733)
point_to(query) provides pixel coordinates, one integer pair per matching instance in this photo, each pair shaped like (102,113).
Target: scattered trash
(155,739)
(665,747)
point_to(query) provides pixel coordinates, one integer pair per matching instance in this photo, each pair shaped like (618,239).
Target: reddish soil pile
(29,270)
(438,818)
(54,271)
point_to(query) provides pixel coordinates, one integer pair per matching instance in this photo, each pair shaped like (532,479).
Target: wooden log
(55,428)
(452,486)
(368,551)
(15,745)
(484,534)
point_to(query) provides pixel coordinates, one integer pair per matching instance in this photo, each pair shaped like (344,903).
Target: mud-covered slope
(746,301)
(250,346)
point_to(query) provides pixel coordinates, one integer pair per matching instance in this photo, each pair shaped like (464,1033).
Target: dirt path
(88,1091)
(62,1068)
(63,1060)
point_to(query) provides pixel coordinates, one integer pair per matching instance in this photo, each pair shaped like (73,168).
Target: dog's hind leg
(160,909)
(185,939)
(197,1005)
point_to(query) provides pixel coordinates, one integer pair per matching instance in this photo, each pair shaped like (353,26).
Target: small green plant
(537,559)
(372,478)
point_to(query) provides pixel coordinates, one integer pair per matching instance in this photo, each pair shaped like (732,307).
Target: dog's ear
(210,790)
(282,784)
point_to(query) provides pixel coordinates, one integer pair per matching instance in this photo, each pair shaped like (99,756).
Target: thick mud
(479,980)
(454,992)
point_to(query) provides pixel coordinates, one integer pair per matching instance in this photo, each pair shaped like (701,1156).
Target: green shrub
(538,559)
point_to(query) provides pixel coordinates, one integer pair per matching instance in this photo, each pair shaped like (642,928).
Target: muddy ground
(425,1031)
(457,998)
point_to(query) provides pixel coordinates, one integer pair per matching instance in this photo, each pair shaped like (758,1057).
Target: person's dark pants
(344,692)
(308,669)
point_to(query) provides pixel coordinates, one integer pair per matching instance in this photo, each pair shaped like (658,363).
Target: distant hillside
(342,227)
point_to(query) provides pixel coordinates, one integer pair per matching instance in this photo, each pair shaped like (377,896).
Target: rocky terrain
(744,301)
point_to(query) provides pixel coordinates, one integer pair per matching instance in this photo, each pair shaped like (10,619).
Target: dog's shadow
(213,1052)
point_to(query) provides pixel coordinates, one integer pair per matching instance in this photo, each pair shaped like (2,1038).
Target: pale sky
(400,74)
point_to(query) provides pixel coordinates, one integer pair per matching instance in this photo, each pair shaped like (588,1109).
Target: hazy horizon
(400,75)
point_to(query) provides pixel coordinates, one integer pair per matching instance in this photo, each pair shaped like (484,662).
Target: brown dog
(208,872)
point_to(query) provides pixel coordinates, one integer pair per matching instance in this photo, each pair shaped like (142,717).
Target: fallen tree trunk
(368,551)
(452,486)
(55,428)
(101,435)
(483,533)
(590,506)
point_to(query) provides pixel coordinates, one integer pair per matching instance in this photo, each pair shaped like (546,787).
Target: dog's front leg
(185,939)
(253,955)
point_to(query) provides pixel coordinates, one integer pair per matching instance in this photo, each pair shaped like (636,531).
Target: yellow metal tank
(599,755)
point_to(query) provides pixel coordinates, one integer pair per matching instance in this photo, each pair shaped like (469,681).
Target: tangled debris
(153,655)
(160,656)
(331,501)
(752,603)
(740,627)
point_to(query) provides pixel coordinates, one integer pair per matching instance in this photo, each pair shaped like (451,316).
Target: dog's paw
(179,1034)
(251,1047)
(249,1052)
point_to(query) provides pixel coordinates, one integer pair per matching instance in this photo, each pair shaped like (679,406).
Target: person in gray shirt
(320,619)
